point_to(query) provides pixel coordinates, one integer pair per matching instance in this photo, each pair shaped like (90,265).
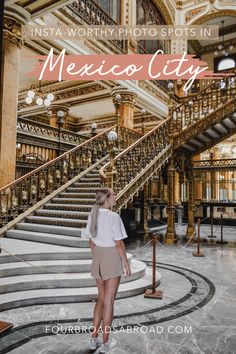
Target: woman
(106,232)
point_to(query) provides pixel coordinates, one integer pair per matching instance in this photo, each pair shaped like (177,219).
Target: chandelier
(39,97)
(222,48)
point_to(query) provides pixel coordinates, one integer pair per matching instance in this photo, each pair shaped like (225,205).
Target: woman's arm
(91,244)
(122,252)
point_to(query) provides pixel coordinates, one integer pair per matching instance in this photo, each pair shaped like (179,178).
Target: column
(217,175)
(53,110)
(191,206)
(170,234)
(126,109)
(177,188)
(57,115)
(9,97)
(198,183)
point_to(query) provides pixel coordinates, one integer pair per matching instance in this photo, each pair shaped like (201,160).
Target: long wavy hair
(101,196)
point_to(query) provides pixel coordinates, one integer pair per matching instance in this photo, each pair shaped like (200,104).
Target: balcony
(92,14)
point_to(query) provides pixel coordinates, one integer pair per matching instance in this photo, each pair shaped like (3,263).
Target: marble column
(9,97)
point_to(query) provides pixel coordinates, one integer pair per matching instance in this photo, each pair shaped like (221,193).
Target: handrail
(20,195)
(203,103)
(58,158)
(135,165)
(42,129)
(101,171)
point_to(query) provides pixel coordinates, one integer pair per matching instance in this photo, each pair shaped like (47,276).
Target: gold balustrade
(23,193)
(135,165)
(26,191)
(214,164)
(89,12)
(27,126)
(200,105)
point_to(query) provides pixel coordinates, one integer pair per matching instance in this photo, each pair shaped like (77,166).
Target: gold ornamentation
(194,12)
(12,31)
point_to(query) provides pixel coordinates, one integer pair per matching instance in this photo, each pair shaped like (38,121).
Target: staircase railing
(135,165)
(23,193)
(27,126)
(26,191)
(200,105)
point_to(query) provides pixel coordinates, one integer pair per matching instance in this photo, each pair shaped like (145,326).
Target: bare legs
(98,309)
(103,310)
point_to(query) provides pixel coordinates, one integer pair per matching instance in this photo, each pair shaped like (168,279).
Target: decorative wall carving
(12,31)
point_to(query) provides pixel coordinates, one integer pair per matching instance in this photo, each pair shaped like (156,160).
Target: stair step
(75,195)
(65,295)
(90,179)
(44,280)
(86,186)
(72,207)
(95,174)
(71,254)
(76,190)
(72,201)
(51,229)
(56,221)
(10,269)
(62,214)
(63,240)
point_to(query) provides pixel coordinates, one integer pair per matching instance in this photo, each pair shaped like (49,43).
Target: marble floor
(197,313)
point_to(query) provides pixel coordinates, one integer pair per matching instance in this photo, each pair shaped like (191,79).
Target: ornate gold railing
(135,165)
(200,105)
(228,164)
(128,137)
(26,191)
(92,14)
(30,127)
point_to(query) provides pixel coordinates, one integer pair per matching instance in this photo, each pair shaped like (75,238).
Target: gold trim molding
(12,31)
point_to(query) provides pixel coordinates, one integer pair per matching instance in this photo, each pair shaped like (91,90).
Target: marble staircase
(57,262)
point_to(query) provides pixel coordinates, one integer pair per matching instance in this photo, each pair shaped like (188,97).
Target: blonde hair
(101,196)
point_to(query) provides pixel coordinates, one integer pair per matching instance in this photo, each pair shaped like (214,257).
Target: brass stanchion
(4,326)
(222,242)
(198,253)
(153,293)
(211,235)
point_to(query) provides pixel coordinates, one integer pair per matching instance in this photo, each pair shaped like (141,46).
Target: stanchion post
(198,253)
(222,242)
(4,326)
(212,219)
(153,293)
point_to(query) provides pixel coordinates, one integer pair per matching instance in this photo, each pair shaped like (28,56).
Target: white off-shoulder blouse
(110,228)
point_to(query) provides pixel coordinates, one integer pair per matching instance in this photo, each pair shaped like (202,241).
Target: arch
(225,64)
(212,15)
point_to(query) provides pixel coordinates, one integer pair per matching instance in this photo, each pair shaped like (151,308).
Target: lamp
(221,47)
(117,103)
(93,131)
(60,122)
(39,97)
(112,137)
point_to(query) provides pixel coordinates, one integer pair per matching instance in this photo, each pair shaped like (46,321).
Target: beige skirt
(106,263)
